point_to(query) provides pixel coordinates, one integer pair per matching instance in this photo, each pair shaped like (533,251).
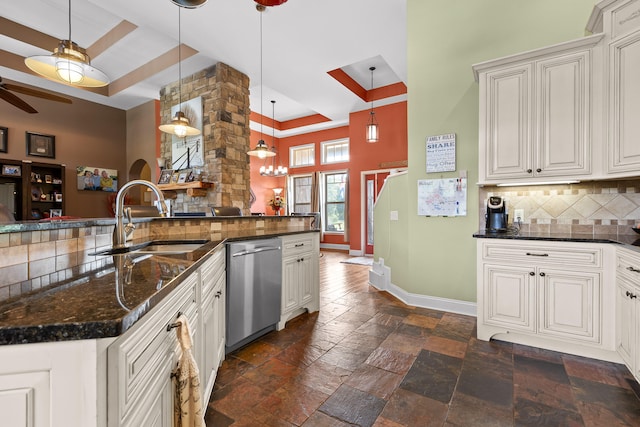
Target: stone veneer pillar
(225,133)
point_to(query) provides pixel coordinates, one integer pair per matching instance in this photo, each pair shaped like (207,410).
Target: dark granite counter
(631,241)
(107,302)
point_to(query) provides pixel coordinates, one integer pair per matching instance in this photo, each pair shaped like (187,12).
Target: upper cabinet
(538,118)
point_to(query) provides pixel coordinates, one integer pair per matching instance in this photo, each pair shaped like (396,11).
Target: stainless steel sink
(157,247)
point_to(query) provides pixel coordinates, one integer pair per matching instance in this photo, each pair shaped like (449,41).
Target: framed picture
(4,132)
(58,197)
(174,177)
(93,178)
(41,145)
(36,214)
(165,176)
(53,213)
(11,170)
(182,178)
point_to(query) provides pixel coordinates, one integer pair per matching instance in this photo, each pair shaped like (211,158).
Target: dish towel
(188,405)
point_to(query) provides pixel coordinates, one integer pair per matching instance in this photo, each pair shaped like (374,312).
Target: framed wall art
(40,145)
(92,178)
(4,133)
(11,170)
(165,176)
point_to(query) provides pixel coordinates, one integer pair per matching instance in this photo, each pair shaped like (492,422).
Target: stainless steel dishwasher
(254,288)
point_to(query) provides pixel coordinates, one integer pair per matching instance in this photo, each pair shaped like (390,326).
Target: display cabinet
(42,190)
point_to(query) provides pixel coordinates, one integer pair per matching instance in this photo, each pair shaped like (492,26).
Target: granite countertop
(103,303)
(632,241)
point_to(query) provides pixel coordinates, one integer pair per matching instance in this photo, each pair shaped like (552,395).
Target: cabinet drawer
(141,360)
(532,253)
(628,265)
(212,270)
(293,245)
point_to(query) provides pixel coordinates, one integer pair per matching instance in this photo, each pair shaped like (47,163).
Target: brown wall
(87,134)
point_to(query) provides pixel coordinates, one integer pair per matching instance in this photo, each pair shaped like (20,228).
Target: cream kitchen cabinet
(300,275)
(537,113)
(548,294)
(213,319)
(628,309)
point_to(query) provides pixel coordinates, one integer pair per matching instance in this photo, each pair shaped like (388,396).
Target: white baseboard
(380,278)
(357,252)
(334,246)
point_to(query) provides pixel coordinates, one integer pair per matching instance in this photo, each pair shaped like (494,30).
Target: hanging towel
(187,405)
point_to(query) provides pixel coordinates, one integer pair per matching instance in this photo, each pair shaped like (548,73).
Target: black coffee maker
(496,216)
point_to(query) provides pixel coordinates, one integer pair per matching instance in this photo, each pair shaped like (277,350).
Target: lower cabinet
(300,275)
(549,295)
(628,309)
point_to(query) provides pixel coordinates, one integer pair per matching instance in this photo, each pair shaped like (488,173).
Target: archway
(140,169)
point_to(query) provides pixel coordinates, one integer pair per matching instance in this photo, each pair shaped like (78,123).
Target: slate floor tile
(529,413)
(353,406)
(433,375)
(410,409)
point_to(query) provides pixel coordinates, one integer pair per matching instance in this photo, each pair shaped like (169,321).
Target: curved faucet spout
(119,234)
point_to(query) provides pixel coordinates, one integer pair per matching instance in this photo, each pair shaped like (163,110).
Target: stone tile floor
(367,359)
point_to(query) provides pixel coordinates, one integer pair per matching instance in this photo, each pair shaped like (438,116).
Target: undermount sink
(157,247)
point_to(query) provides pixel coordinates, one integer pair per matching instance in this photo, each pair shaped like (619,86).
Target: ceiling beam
(27,35)
(151,68)
(113,36)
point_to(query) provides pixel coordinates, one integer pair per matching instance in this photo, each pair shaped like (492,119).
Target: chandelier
(272,169)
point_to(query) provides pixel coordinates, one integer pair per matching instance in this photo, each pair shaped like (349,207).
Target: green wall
(436,256)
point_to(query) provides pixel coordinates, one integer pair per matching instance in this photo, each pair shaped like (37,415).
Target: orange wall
(392,146)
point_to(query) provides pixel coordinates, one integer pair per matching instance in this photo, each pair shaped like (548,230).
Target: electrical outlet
(519,215)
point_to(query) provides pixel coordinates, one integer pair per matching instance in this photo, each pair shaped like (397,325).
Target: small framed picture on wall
(41,145)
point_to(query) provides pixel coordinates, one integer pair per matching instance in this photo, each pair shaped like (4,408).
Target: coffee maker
(497,216)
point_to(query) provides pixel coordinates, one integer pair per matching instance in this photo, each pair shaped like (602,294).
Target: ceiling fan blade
(14,100)
(38,93)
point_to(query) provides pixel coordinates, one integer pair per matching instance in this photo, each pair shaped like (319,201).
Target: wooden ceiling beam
(151,68)
(27,35)
(113,36)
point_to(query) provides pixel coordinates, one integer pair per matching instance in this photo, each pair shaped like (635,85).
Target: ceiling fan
(5,93)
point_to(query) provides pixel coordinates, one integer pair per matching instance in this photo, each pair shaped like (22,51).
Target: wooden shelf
(185,186)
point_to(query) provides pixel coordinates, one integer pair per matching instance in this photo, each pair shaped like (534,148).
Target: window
(335,151)
(302,155)
(301,186)
(334,206)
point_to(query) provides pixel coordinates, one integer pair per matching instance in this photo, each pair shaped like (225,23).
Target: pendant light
(189,4)
(261,150)
(372,125)
(272,169)
(180,125)
(69,63)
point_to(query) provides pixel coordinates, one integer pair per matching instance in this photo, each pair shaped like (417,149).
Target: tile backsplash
(598,207)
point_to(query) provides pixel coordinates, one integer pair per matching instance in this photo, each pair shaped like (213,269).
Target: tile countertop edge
(628,241)
(67,331)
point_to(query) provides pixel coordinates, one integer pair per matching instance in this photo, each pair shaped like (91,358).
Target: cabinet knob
(531,273)
(529,170)
(542,274)
(630,295)
(538,170)
(218,294)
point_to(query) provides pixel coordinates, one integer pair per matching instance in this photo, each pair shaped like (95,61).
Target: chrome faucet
(120,231)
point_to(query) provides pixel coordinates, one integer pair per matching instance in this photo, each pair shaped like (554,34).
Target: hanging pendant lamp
(372,125)
(261,150)
(189,4)
(69,63)
(270,2)
(274,169)
(180,125)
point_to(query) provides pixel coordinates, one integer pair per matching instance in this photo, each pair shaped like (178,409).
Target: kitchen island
(94,347)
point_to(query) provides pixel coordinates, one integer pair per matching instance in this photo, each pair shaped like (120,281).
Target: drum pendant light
(261,150)
(69,63)
(372,126)
(180,125)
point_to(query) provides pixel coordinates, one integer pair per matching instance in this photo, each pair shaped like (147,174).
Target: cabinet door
(624,105)
(305,278)
(506,116)
(509,297)
(563,116)
(625,323)
(158,413)
(569,304)
(290,291)
(214,334)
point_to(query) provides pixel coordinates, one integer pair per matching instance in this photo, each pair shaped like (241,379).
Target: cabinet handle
(299,245)
(538,170)
(635,270)
(630,295)
(218,294)
(531,273)
(532,254)
(529,170)
(171,326)
(542,274)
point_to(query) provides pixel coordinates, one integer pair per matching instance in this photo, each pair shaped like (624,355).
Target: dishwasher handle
(256,250)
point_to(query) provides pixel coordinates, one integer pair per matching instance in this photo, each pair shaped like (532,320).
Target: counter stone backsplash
(32,260)
(598,207)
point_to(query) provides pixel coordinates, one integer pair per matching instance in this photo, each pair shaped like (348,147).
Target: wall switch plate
(518,215)
(393,215)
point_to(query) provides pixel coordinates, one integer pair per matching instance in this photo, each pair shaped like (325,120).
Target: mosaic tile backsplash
(599,207)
